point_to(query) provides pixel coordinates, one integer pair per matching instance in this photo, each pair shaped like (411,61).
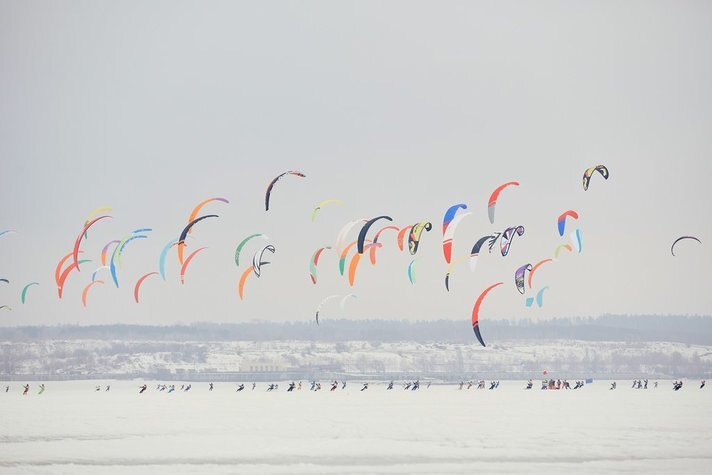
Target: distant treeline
(629,328)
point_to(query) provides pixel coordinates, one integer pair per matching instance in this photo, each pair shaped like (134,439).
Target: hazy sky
(397,108)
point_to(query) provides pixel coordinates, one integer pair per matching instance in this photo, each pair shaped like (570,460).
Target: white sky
(397,108)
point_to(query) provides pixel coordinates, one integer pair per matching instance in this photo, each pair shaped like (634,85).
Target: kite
(540,296)
(341,237)
(105,250)
(561,221)
(519,277)
(560,247)
(24,291)
(242,244)
(355,260)
(495,196)
(342,304)
(576,239)
(372,251)
(140,281)
(411,271)
(186,230)
(589,172)
(187,261)
(241,283)
(321,304)
(450,222)
(200,205)
(401,235)
(86,290)
(533,270)
(364,230)
(507,237)
(162,257)
(77,242)
(415,235)
(324,203)
(475,252)
(476,312)
(65,274)
(672,248)
(314,261)
(93,275)
(275,180)
(451,269)
(257,261)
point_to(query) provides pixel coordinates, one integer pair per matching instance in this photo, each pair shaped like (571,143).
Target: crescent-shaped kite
(241,282)
(476,312)
(589,172)
(187,261)
(242,244)
(449,234)
(23,296)
(85,292)
(77,242)
(322,204)
(186,230)
(200,205)
(519,277)
(275,180)
(364,230)
(139,282)
(534,269)
(492,202)
(672,248)
(314,261)
(561,221)
(372,251)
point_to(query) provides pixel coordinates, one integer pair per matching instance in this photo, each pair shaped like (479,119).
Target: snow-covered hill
(266,360)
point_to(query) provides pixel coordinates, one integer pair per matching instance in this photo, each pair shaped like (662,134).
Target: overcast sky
(397,108)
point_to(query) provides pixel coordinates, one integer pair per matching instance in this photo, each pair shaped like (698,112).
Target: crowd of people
(546,384)
(558,384)
(481,384)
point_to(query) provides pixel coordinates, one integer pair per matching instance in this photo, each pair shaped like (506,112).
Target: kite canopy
(314,261)
(519,277)
(449,226)
(322,204)
(137,287)
(321,304)
(533,270)
(275,180)
(507,236)
(681,238)
(364,230)
(415,234)
(589,172)
(23,296)
(492,202)
(561,221)
(476,312)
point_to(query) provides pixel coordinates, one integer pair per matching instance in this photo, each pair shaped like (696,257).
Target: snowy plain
(72,428)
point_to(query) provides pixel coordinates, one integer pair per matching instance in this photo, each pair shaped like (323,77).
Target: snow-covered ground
(73,429)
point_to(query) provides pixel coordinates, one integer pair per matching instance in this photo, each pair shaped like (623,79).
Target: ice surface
(73,429)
